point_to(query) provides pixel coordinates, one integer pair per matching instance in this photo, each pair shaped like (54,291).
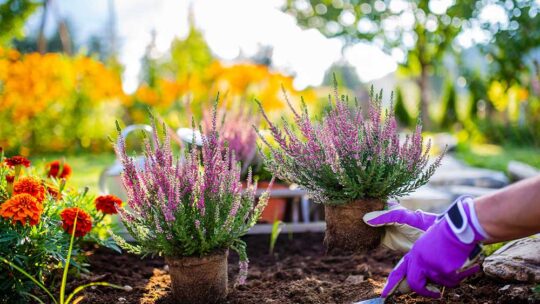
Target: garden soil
(298,272)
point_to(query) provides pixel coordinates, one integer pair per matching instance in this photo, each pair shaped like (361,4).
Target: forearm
(512,212)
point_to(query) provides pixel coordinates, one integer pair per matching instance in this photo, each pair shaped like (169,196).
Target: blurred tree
(513,41)
(449,106)
(167,81)
(63,32)
(149,63)
(104,43)
(402,114)
(344,73)
(13,15)
(419,31)
(97,46)
(188,56)
(512,82)
(54,43)
(477,85)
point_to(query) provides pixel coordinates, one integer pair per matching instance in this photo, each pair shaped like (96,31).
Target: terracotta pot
(275,210)
(199,280)
(346,232)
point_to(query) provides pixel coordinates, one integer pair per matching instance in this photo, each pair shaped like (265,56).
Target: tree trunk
(42,41)
(423,84)
(65,37)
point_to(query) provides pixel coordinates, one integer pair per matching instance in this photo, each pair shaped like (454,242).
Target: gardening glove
(402,226)
(444,255)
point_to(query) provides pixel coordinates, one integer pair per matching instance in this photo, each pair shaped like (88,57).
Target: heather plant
(234,128)
(347,156)
(192,205)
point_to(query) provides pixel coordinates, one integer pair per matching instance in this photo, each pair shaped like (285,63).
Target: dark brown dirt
(298,272)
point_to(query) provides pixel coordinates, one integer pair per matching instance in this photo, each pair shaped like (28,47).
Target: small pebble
(354,279)
(121,299)
(505,287)
(128,288)
(166,268)
(517,292)
(454,296)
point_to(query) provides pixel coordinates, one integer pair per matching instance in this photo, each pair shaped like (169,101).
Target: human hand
(402,226)
(444,255)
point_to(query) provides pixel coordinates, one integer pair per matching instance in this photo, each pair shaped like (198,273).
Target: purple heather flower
(348,155)
(169,195)
(242,276)
(235,131)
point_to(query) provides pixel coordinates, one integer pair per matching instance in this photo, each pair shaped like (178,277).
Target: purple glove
(444,254)
(402,226)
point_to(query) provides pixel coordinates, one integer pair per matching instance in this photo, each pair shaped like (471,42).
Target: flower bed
(40,217)
(298,273)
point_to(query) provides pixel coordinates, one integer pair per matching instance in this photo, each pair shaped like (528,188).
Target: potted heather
(191,210)
(350,162)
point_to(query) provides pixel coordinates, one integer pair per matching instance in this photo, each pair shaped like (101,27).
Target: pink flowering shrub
(347,156)
(235,128)
(191,205)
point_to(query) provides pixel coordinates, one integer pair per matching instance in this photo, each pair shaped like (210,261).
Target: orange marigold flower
(108,203)
(22,208)
(84,221)
(30,186)
(53,169)
(17,161)
(54,192)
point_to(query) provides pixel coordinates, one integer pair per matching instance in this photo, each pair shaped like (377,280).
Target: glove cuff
(463,221)
(474,218)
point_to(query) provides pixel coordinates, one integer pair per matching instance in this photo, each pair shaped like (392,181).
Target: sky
(230,27)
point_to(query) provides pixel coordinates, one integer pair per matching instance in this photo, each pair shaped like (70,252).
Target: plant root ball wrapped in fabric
(199,280)
(348,158)
(345,233)
(189,206)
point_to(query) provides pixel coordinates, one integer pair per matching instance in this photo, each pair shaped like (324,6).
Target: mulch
(297,272)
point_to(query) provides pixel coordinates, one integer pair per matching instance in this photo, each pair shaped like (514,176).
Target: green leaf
(30,277)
